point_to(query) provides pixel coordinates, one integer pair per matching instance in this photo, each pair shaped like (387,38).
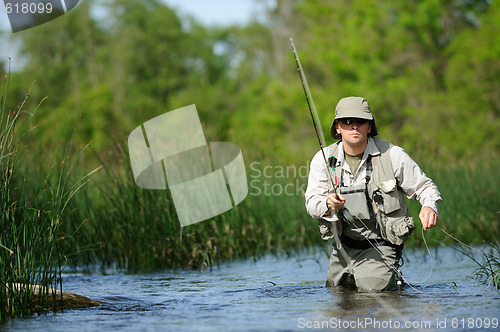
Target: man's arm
(416,185)
(317,188)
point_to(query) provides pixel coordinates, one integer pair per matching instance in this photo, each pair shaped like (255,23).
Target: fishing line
(472,248)
(430,257)
(463,244)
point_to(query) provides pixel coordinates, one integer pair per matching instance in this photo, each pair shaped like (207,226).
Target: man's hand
(334,202)
(428,217)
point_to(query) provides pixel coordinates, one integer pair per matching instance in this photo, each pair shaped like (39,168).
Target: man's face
(354,131)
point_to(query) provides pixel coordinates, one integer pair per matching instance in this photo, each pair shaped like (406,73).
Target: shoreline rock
(69,300)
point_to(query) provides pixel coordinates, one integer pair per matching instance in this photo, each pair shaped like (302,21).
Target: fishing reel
(346,215)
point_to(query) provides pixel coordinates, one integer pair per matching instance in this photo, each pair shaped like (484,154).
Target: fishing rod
(315,119)
(321,140)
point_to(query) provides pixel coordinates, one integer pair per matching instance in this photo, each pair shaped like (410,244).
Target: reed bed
(137,229)
(114,223)
(134,228)
(32,207)
(470,210)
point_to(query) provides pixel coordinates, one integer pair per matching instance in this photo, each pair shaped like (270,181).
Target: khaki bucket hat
(351,107)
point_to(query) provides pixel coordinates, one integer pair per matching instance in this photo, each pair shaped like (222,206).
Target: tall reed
(488,271)
(138,229)
(134,228)
(470,209)
(32,207)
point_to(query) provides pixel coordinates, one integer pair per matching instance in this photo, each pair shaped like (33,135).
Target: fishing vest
(384,198)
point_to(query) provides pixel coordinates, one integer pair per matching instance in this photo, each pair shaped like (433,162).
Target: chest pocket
(395,221)
(391,199)
(356,200)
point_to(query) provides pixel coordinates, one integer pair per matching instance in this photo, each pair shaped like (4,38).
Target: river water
(276,294)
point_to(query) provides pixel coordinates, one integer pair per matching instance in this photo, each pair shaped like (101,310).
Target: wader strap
(369,168)
(367,244)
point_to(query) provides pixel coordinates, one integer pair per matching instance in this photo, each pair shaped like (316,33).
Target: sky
(208,12)
(216,11)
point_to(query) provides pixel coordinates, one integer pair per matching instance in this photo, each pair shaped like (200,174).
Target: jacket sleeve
(317,188)
(413,180)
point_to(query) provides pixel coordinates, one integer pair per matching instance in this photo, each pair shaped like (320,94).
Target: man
(361,201)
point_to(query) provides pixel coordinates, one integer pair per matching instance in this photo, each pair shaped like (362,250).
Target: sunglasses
(350,121)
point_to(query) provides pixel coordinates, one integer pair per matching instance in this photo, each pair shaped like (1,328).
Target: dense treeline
(429,69)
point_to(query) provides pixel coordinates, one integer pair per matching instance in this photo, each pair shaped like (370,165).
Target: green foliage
(404,57)
(428,68)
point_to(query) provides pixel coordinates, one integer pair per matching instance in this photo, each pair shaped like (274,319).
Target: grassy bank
(138,228)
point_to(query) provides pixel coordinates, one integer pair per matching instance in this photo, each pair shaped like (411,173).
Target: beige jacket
(410,178)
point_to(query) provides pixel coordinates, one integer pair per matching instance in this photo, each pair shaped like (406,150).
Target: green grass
(470,209)
(136,229)
(488,271)
(32,206)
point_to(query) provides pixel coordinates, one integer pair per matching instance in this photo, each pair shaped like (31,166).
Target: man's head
(353,111)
